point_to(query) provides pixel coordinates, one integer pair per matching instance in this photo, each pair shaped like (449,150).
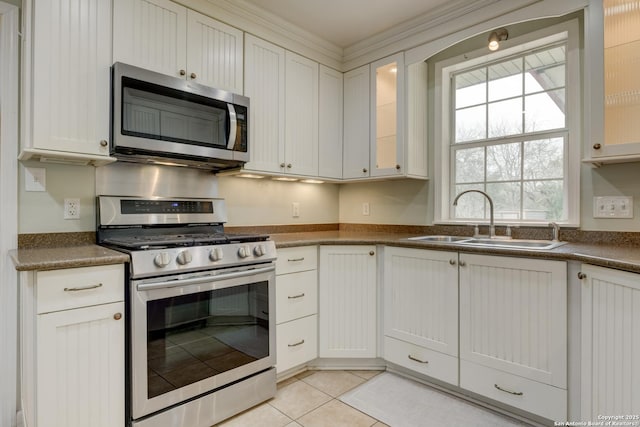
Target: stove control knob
(259,250)
(184,258)
(216,254)
(162,259)
(244,251)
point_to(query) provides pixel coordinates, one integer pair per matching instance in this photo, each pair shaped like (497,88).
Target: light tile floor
(310,400)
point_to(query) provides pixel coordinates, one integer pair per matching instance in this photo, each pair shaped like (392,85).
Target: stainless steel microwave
(162,119)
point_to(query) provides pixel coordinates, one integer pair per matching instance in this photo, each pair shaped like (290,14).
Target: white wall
(268,202)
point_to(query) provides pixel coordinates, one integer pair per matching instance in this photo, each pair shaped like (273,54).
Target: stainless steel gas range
(201,324)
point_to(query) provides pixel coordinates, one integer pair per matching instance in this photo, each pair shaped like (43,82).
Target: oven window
(197,336)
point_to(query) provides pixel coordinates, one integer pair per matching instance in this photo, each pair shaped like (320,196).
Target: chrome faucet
(492,228)
(556,231)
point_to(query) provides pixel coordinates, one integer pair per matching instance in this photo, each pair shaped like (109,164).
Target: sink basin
(441,239)
(515,244)
(494,243)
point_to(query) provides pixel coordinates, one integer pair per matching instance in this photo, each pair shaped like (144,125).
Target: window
(509,126)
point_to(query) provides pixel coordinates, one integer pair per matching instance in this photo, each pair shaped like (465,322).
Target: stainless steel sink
(441,239)
(515,243)
(493,243)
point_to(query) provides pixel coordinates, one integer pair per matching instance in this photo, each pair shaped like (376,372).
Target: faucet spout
(492,228)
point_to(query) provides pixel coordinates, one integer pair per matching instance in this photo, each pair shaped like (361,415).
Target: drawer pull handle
(296,296)
(415,359)
(296,344)
(516,393)
(84,288)
(295,259)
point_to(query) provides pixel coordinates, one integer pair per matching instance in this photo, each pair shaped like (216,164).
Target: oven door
(192,334)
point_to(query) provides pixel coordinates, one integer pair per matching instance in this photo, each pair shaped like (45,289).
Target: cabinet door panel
(71,75)
(513,316)
(151,34)
(264,85)
(355,162)
(301,124)
(348,301)
(214,53)
(421,298)
(80,366)
(330,123)
(610,342)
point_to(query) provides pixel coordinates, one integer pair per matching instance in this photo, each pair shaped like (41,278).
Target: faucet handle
(476,229)
(507,231)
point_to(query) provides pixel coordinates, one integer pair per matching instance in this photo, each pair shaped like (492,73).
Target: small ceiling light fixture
(496,37)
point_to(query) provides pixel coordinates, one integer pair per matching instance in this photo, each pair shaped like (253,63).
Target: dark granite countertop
(621,254)
(622,257)
(54,258)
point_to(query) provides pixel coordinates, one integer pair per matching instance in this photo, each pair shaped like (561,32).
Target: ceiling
(346,22)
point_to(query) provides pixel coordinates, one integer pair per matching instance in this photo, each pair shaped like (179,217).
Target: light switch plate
(613,207)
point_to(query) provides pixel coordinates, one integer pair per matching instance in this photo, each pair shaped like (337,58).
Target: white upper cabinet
(614,54)
(264,85)
(355,161)
(330,123)
(67,79)
(301,119)
(387,116)
(162,36)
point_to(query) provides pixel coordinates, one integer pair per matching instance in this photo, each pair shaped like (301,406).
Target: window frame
(567,32)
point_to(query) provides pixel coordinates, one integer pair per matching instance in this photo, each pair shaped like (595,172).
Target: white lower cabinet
(421,311)
(72,347)
(296,307)
(610,362)
(348,302)
(513,332)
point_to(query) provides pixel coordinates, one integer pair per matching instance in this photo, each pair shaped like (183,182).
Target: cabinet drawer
(296,295)
(440,366)
(291,260)
(79,287)
(297,342)
(541,399)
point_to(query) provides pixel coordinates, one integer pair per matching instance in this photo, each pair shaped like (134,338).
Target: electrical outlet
(295,209)
(71,208)
(365,208)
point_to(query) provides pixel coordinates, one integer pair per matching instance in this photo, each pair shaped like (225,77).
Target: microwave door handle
(233,126)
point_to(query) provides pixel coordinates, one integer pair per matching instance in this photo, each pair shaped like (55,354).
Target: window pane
(470,165)
(505,79)
(470,205)
(471,88)
(545,111)
(544,159)
(545,70)
(543,200)
(506,199)
(505,118)
(471,124)
(503,162)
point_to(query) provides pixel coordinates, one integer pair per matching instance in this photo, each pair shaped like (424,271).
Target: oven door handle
(204,279)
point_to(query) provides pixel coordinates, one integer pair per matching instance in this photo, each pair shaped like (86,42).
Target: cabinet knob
(462,263)
(104,143)
(581,275)
(282,165)
(597,146)
(452,261)
(372,253)
(117,316)
(183,72)
(193,76)
(397,167)
(364,170)
(289,166)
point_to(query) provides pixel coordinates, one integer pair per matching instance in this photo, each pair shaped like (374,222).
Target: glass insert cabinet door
(621,32)
(387,131)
